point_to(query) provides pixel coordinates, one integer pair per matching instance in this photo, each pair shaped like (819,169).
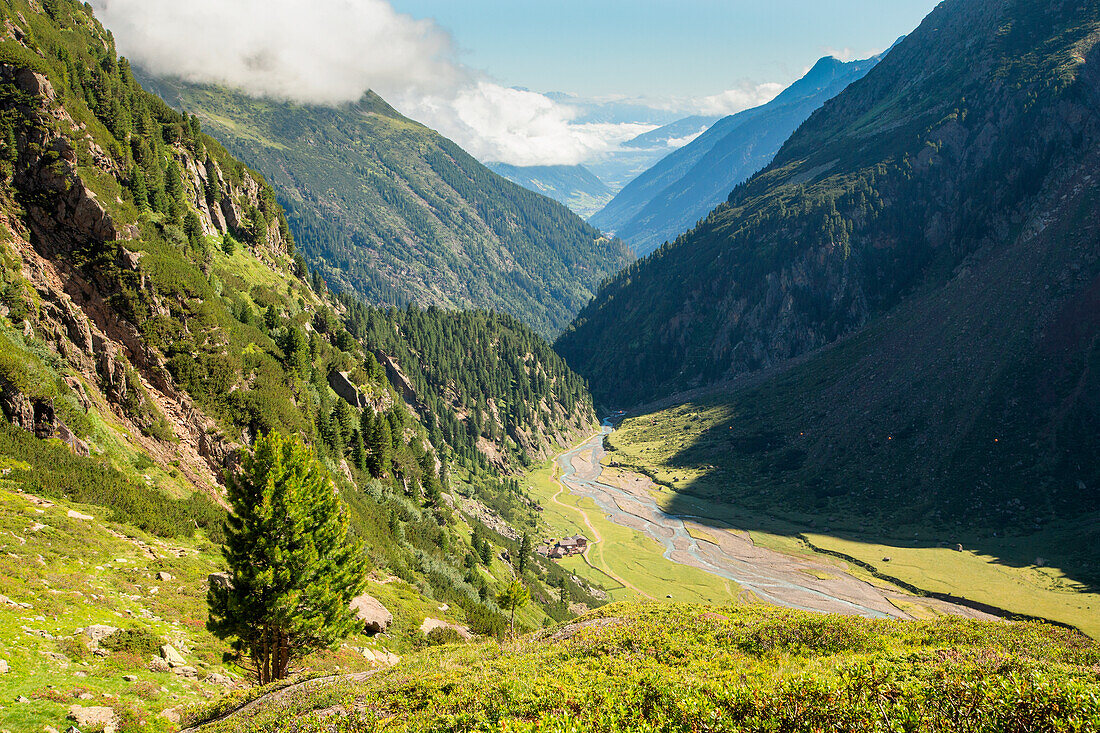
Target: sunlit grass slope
(694,668)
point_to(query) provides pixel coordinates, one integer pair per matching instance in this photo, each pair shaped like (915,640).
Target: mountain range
(388,209)
(683,187)
(899,314)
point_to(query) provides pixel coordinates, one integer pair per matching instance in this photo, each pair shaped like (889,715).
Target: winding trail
(771,576)
(596,540)
(276,695)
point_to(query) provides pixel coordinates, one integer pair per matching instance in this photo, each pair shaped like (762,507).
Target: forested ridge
(389,210)
(482,376)
(892,315)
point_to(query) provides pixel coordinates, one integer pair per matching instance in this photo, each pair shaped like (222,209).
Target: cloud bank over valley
(341,48)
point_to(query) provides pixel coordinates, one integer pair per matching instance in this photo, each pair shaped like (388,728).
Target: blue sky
(661,47)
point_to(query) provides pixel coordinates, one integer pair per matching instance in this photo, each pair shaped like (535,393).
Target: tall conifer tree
(294,567)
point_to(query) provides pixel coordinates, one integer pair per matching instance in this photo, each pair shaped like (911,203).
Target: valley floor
(987,570)
(651,554)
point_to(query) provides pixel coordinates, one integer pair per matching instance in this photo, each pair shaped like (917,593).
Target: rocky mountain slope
(388,209)
(682,188)
(154,318)
(938,228)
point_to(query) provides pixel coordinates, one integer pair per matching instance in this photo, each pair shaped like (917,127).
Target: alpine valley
(313,422)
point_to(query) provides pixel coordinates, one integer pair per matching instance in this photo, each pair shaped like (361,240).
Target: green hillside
(155,318)
(387,209)
(690,668)
(492,389)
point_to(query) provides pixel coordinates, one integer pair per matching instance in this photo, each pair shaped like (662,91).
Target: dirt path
(596,538)
(280,694)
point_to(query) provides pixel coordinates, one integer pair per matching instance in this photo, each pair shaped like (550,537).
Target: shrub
(444,635)
(136,641)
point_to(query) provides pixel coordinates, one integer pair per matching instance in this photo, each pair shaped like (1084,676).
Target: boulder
(102,718)
(129,678)
(4,668)
(434,623)
(74,514)
(163,576)
(219,679)
(173,657)
(157,664)
(347,391)
(221,581)
(97,632)
(373,614)
(186,671)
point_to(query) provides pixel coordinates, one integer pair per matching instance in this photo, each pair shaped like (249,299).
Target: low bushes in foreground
(690,668)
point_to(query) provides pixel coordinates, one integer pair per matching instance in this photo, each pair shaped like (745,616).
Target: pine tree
(379,447)
(138,189)
(192,229)
(297,350)
(524,552)
(173,189)
(295,568)
(514,596)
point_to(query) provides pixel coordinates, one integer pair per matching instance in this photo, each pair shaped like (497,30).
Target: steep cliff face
(81,287)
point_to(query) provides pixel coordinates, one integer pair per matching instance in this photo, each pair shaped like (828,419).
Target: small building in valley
(569,546)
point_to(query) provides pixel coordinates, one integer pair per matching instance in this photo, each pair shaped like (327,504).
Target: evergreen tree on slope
(294,567)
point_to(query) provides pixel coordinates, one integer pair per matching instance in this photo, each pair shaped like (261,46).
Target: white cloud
(332,51)
(843,54)
(739,98)
(327,54)
(515,126)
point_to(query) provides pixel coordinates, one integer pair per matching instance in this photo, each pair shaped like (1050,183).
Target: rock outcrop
(373,615)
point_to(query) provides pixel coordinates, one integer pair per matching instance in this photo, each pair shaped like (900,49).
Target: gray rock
(372,613)
(347,391)
(4,669)
(97,632)
(186,671)
(21,699)
(106,719)
(163,576)
(32,83)
(172,715)
(130,678)
(221,581)
(173,657)
(157,664)
(219,679)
